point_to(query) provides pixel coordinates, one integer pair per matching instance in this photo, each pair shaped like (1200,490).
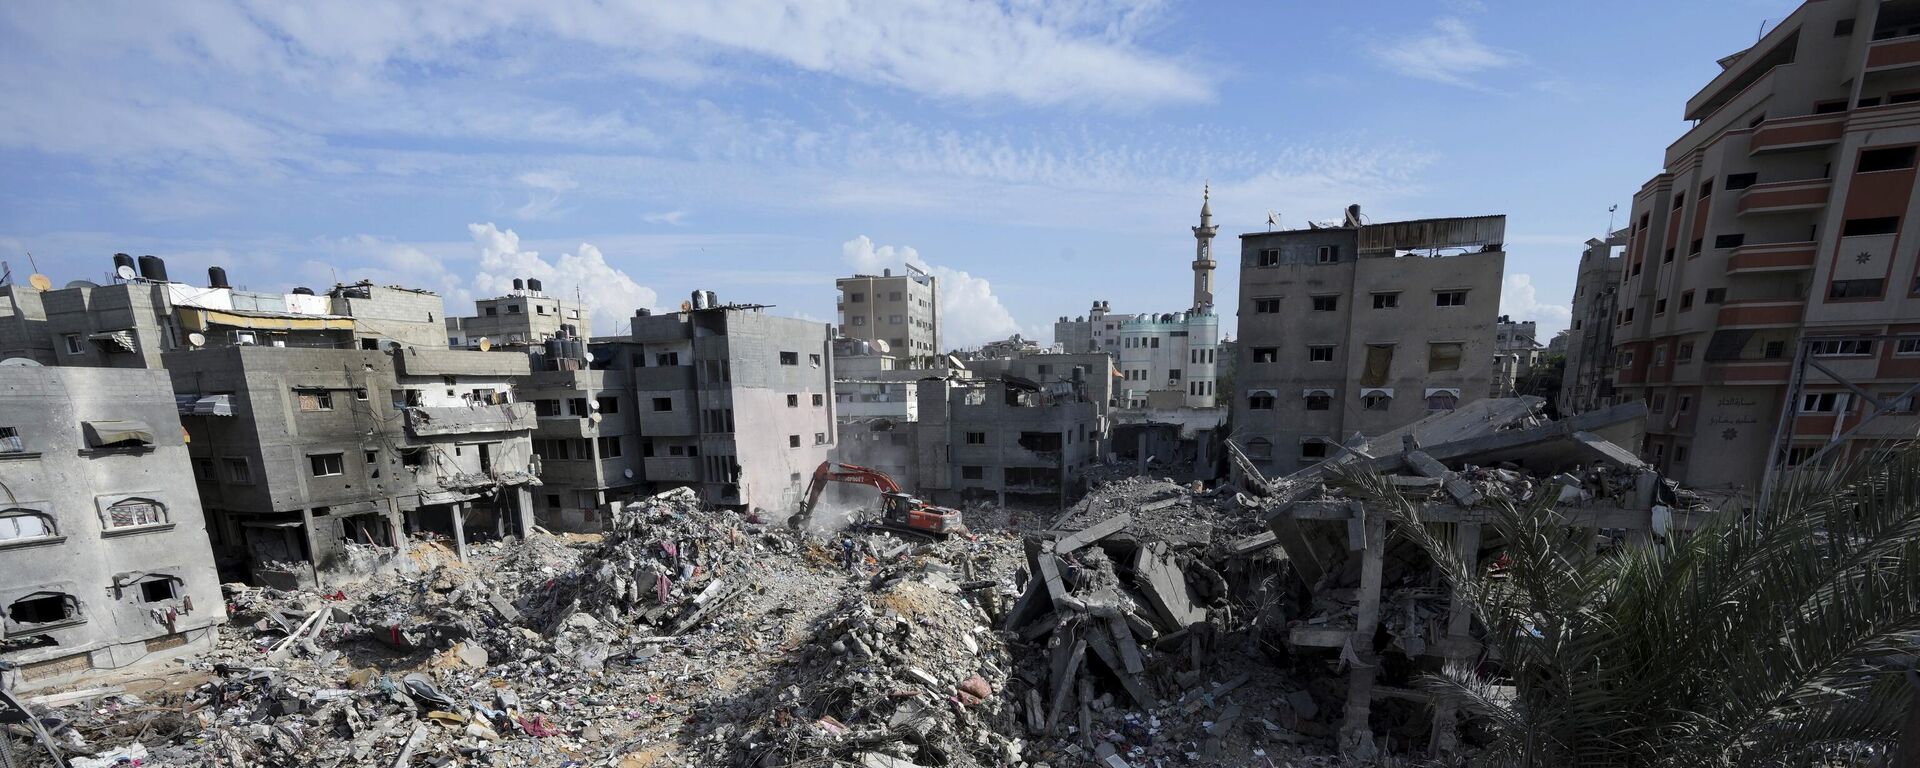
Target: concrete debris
(1264,621)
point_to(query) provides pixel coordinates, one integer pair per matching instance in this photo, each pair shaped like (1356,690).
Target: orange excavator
(898,511)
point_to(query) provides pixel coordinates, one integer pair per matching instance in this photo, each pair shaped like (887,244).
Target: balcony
(1747,372)
(460,420)
(663,378)
(1785,196)
(1771,257)
(672,469)
(1803,132)
(1761,313)
(1898,53)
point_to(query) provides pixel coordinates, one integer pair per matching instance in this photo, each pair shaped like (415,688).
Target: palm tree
(1772,637)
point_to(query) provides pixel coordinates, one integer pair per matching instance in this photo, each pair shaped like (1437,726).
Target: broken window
(819,400)
(1260,448)
(1329,254)
(789,358)
(1379,365)
(314,399)
(1313,449)
(326,464)
(1856,289)
(972,473)
(662,404)
(22,524)
(10,441)
(1040,441)
(1819,402)
(793,401)
(1320,353)
(1266,306)
(1443,400)
(1376,400)
(131,513)
(1450,298)
(1260,401)
(1266,354)
(1443,356)
(43,608)
(610,447)
(159,589)
(1269,257)
(1386,300)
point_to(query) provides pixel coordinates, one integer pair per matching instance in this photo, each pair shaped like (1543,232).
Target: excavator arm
(831,472)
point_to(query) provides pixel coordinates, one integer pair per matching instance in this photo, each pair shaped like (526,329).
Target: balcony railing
(1771,257)
(1785,196)
(1897,53)
(1802,132)
(1761,313)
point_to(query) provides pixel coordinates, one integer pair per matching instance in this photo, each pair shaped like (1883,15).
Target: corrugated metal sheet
(1434,233)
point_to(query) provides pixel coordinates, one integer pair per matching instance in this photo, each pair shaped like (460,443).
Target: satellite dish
(196,339)
(881,345)
(593,405)
(593,418)
(40,282)
(125,272)
(588,356)
(628,473)
(82,284)
(485,344)
(19,362)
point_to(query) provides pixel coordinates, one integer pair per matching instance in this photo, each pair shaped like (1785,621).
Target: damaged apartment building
(1361,328)
(1768,305)
(730,401)
(103,553)
(322,427)
(1022,426)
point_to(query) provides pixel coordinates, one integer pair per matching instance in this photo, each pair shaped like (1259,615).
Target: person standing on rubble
(846,551)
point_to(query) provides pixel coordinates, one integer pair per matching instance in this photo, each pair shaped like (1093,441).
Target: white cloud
(1449,53)
(969,312)
(670,218)
(610,293)
(1520,298)
(546,188)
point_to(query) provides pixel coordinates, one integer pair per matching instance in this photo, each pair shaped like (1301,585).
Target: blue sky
(1038,155)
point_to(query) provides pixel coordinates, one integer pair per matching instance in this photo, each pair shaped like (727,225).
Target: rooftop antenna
(1610,210)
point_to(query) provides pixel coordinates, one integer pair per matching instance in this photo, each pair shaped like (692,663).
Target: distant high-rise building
(1776,232)
(1361,329)
(1587,381)
(902,311)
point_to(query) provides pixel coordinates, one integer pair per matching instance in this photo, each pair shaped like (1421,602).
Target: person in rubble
(846,552)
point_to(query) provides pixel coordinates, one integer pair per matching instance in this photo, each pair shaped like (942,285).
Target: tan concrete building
(1587,381)
(527,315)
(1776,232)
(903,311)
(1361,328)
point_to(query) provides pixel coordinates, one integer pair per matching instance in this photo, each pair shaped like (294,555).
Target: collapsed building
(103,558)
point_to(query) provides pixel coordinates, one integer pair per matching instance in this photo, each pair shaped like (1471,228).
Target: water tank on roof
(556,348)
(122,260)
(699,300)
(153,268)
(217,277)
(303,291)
(712,301)
(533,284)
(519,285)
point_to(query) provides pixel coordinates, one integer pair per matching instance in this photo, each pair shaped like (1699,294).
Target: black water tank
(303,291)
(533,284)
(217,277)
(122,260)
(519,285)
(152,268)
